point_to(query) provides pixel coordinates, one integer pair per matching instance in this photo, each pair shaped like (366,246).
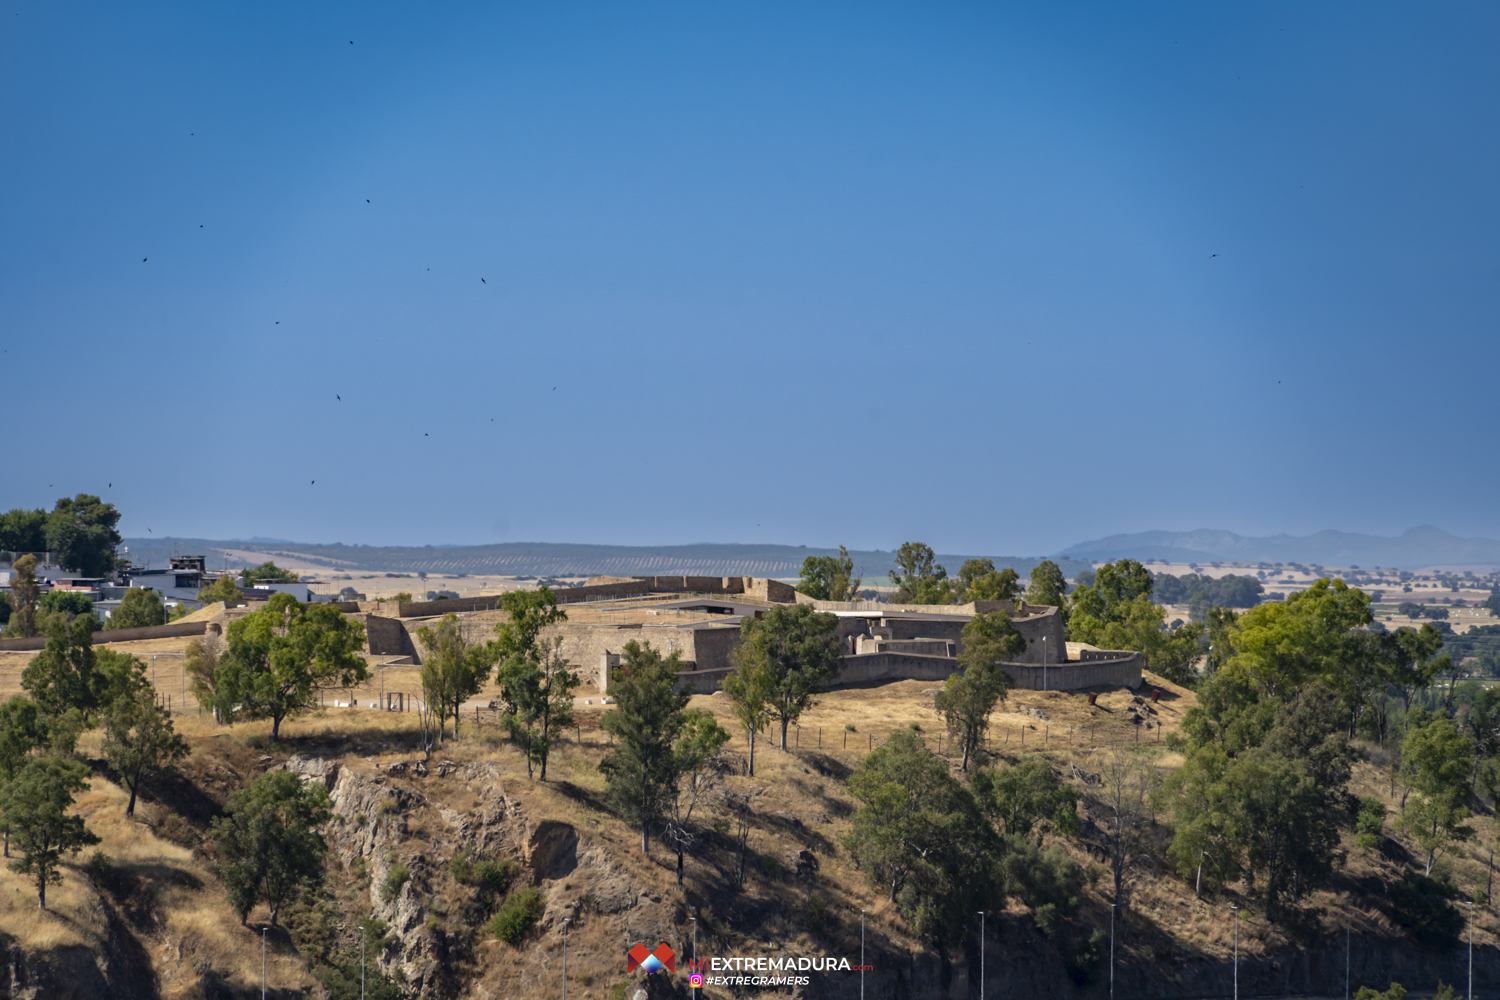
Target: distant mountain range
(545,559)
(1413,548)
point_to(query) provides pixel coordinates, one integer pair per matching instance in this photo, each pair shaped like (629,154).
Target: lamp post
(1236,911)
(1471,949)
(262,963)
(861,955)
(362,934)
(694,963)
(1044,663)
(1346,949)
(565,957)
(981,955)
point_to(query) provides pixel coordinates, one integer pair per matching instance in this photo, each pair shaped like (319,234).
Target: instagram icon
(696,980)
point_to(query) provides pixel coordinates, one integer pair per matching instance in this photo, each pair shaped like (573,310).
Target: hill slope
(1413,548)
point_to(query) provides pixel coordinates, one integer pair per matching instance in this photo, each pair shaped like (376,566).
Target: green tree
(201,664)
(267,572)
(23,531)
(1285,644)
(69,602)
(61,676)
(35,804)
(829,578)
(1027,798)
(749,688)
(267,843)
(22,733)
(1437,761)
(978,580)
(533,677)
(140,607)
(1048,586)
(968,698)
(540,693)
(1282,826)
(1203,811)
(800,649)
(1137,624)
(81,534)
(646,722)
(222,589)
(280,657)
(1415,659)
(919,838)
(697,762)
(25,596)
(1221,625)
(453,668)
(918,578)
(530,612)
(139,739)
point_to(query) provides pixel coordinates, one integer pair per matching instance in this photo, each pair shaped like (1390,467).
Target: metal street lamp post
(694,963)
(981,955)
(1236,910)
(861,955)
(565,957)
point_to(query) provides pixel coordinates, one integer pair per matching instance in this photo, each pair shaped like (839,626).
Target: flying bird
(143,260)
(111,485)
(1213,255)
(367,201)
(483,282)
(338,397)
(314,482)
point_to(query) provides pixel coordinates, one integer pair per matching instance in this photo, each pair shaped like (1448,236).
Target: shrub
(520,910)
(101,868)
(1083,964)
(769,866)
(849,727)
(1367,827)
(394,880)
(1395,992)
(495,876)
(1421,905)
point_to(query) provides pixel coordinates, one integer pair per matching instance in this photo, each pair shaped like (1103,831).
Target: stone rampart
(170,631)
(1116,667)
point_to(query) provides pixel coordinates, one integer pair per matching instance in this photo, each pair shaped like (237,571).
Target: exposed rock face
(118,970)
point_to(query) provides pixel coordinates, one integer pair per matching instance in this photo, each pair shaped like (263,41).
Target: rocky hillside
(153,921)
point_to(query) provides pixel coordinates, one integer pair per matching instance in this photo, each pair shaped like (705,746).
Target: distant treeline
(1192,588)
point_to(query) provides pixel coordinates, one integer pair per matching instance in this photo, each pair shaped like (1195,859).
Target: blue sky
(803,273)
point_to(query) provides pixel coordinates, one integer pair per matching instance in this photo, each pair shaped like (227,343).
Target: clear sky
(996,277)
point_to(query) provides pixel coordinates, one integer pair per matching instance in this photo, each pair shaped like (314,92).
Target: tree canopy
(222,589)
(267,572)
(1228,591)
(918,578)
(829,578)
(798,648)
(646,720)
(279,658)
(268,843)
(23,531)
(454,669)
(1048,586)
(141,606)
(37,806)
(81,533)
